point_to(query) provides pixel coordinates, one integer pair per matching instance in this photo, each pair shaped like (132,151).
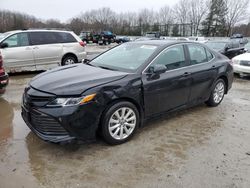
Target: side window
(39,38)
(65,37)
(172,58)
(17,40)
(197,54)
(210,56)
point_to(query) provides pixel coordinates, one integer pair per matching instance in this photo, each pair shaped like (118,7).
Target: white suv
(29,50)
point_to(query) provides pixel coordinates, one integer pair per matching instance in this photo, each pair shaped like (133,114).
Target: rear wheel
(217,94)
(120,123)
(69,60)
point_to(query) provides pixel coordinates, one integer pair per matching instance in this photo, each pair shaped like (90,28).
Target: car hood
(74,79)
(243,57)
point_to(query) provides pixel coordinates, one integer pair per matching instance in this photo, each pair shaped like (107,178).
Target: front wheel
(120,123)
(217,94)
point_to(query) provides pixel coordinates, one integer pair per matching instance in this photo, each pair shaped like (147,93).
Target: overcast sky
(66,9)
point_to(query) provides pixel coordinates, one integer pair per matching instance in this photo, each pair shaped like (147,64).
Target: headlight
(235,61)
(61,102)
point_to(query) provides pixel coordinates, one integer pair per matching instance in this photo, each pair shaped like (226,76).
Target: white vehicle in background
(241,64)
(30,50)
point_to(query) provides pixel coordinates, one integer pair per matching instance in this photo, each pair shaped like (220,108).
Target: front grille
(245,63)
(29,100)
(46,124)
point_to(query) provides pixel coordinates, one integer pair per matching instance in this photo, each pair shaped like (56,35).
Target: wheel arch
(225,79)
(123,99)
(67,55)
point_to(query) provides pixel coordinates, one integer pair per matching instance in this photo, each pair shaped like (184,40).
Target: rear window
(39,38)
(209,55)
(197,54)
(65,37)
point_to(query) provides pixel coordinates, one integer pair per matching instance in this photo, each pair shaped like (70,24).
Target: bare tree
(237,11)
(198,10)
(182,13)
(165,15)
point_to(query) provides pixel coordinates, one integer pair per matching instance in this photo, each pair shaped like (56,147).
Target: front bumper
(241,69)
(4,80)
(64,124)
(52,132)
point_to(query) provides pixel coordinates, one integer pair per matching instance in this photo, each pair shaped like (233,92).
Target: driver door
(169,90)
(18,55)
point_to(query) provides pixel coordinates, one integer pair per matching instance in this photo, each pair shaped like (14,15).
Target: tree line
(205,17)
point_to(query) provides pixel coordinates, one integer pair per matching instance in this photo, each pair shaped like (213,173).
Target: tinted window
(209,55)
(65,37)
(197,54)
(172,58)
(39,38)
(17,40)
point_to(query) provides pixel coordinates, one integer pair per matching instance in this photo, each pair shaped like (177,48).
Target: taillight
(1,61)
(2,72)
(82,43)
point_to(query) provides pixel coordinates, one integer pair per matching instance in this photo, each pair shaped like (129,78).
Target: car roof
(218,41)
(163,43)
(36,30)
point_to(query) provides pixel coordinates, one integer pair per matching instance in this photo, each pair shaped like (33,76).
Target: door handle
(35,48)
(186,74)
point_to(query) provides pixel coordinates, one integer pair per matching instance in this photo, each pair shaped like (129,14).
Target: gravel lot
(197,147)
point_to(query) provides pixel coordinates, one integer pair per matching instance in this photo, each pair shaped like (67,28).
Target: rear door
(171,89)
(18,55)
(203,69)
(47,49)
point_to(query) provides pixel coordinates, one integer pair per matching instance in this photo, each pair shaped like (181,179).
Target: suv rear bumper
(4,80)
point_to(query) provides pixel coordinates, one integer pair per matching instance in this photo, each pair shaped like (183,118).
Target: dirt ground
(198,147)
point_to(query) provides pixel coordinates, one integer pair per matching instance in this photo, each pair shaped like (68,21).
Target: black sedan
(115,92)
(229,48)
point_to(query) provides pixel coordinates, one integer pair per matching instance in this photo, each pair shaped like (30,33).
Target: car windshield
(216,45)
(107,33)
(127,57)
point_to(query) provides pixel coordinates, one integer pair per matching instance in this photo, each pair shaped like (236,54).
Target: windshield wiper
(107,68)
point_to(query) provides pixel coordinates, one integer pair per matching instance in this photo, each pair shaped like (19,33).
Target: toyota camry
(114,93)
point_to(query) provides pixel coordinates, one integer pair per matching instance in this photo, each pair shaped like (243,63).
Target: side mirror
(4,45)
(85,61)
(158,69)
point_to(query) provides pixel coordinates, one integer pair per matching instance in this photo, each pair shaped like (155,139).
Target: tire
(217,93)
(117,128)
(69,60)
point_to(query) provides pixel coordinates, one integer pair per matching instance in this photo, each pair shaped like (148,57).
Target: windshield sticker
(148,47)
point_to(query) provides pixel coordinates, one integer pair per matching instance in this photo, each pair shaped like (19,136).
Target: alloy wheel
(69,61)
(219,92)
(122,123)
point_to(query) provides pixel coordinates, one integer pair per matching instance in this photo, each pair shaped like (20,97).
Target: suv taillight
(83,44)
